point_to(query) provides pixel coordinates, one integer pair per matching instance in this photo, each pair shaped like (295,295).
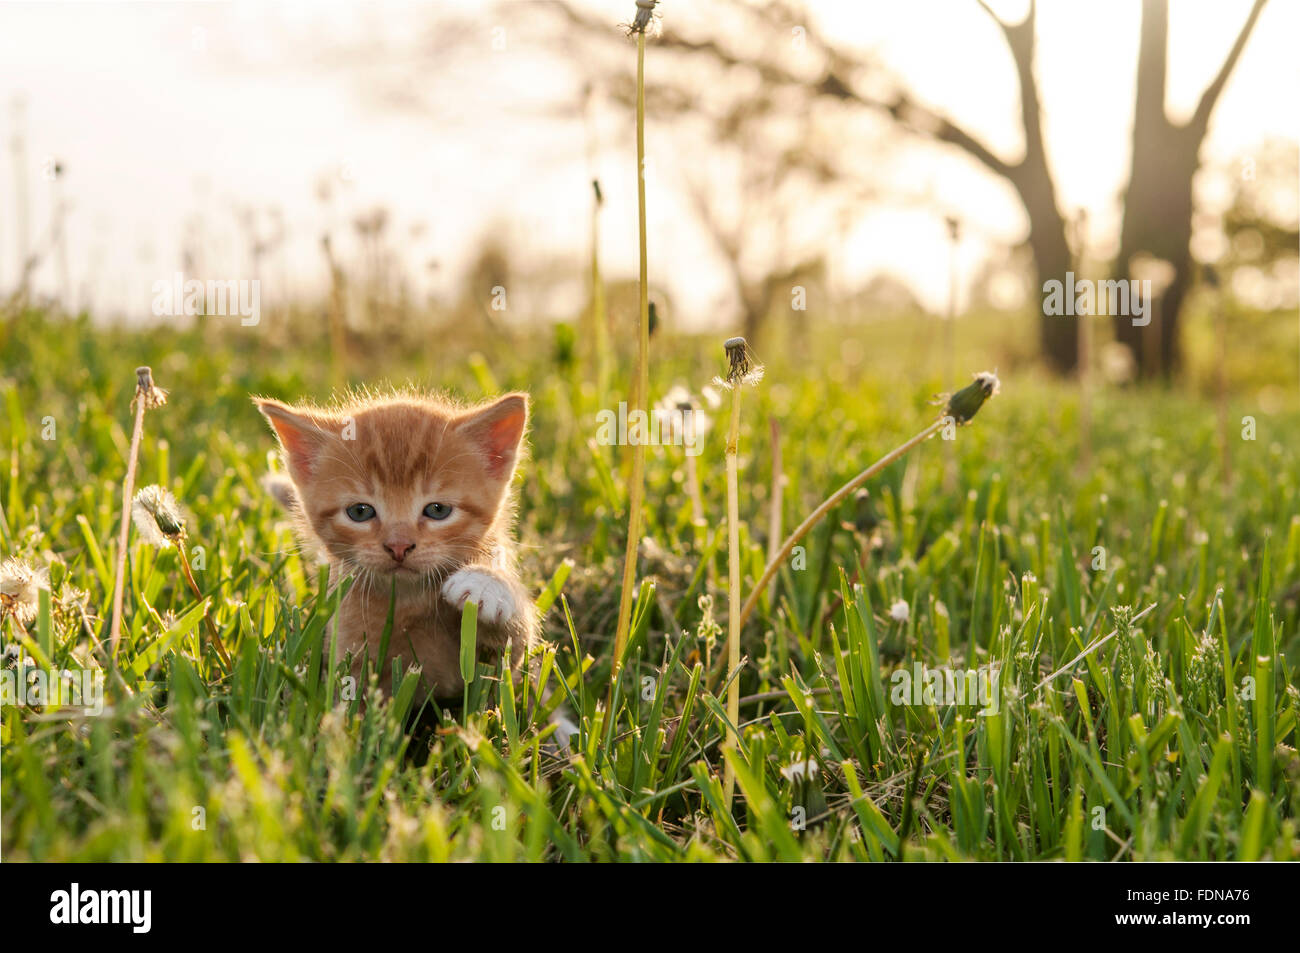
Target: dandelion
(965,404)
(960,407)
(678,412)
(742,370)
(148,396)
(158,517)
(644,13)
(900,611)
(682,420)
(20,586)
(641,385)
(147,393)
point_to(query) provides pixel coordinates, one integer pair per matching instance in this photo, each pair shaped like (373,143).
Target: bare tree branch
(836,83)
(1200,121)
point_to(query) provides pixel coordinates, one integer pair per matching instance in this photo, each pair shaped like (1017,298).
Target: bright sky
(166,114)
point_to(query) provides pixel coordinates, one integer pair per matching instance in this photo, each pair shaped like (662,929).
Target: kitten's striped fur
(398,455)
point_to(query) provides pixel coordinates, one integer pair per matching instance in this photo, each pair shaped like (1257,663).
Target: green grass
(1175,738)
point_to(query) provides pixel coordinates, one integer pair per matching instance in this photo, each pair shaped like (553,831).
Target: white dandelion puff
(157,516)
(680,416)
(20,586)
(900,611)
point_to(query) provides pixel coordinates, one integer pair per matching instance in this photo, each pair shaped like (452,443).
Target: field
(1012,549)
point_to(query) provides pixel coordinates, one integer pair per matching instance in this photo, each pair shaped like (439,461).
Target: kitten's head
(409,486)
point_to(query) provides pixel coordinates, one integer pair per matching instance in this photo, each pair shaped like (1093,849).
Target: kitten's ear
(301,435)
(498,429)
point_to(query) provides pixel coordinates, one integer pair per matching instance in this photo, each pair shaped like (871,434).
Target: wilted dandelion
(644,15)
(148,396)
(20,586)
(641,385)
(742,370)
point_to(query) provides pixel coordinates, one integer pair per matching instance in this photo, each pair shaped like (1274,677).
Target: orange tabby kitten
(413,493)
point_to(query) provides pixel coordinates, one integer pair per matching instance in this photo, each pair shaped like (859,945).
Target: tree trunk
(1058,334)
(1158,200)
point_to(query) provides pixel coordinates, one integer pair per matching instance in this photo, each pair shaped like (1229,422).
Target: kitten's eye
(360,512)
(437,511)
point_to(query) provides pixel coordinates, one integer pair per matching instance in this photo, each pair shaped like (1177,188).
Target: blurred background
(390,168)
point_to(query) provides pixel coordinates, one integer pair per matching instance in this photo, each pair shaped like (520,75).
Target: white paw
(495,601)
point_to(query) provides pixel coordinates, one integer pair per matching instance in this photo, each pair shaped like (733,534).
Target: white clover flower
(20,586)
(900,611)
(800,770)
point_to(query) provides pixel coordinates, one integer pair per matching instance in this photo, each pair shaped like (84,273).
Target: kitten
(411,494)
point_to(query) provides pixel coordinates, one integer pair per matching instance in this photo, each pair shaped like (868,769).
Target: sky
(170,119)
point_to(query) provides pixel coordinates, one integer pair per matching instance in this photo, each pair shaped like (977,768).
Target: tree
(1158,202)
(1157,218)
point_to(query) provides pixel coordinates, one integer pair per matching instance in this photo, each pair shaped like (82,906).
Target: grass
(1174,737)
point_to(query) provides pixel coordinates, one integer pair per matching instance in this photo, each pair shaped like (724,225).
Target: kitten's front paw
(495,601)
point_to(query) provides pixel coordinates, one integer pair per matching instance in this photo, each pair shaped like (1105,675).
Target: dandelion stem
(825,507)
(213,636)
(734,619)
(128,489)
(642,386)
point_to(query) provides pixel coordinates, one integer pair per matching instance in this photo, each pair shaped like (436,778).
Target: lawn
(1134,607)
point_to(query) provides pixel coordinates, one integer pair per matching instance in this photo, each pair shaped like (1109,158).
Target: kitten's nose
(398,549)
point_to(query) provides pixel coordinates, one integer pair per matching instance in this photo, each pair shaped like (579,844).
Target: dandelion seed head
(146,391)
(644,14)
(900,611)
(742,369)
(680,413)
(157,516)
(20,586)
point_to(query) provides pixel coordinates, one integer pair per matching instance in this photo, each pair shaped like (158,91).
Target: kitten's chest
(416,618)
(425,633)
